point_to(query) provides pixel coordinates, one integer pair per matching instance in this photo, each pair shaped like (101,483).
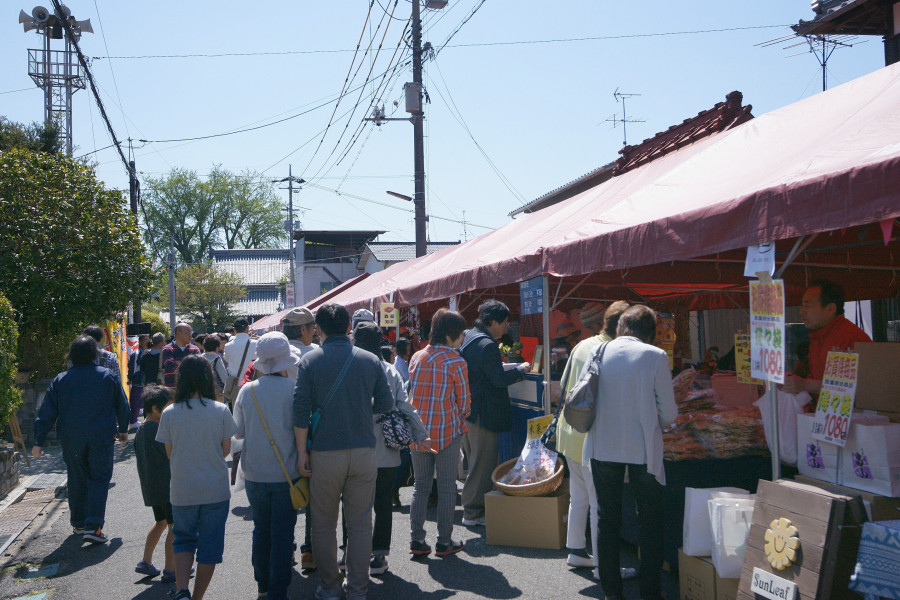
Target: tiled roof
(576,186)
(254,267)
(400,251)
(255,307)
(848,17)
(720,117)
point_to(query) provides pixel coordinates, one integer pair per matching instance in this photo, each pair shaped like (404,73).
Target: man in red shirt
(822,311)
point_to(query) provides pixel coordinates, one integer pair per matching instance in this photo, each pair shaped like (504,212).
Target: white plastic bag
(697,531)
(730,519)
(236,446)
(789,406)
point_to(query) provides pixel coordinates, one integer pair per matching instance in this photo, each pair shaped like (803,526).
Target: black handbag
(548,438)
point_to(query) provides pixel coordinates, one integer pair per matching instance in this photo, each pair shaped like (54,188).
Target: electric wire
(455,112)
(111,72)
(15,91)
(460,26)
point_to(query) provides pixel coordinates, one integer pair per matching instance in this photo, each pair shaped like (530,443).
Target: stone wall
(32,396)
(9,469)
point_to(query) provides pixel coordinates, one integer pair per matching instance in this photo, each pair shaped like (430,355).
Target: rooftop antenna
(622,96)
(821,46)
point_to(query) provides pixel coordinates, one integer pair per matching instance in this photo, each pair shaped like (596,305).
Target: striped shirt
(439,389)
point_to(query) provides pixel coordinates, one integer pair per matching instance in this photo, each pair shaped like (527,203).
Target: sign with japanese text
(532,296)
(742,359)
(835,406)
(767,330)
(760,259)
(289,295)
(537,426)
(389,315)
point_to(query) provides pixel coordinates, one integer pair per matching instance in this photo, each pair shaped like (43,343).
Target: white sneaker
(479,522)
(577,561)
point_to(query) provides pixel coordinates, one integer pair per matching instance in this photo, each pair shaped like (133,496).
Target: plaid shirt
(172,356)
(439,389)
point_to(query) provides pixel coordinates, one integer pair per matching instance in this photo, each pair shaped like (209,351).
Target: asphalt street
(107,571)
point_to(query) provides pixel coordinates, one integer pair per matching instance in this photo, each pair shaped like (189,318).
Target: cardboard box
(538,522)
(878,381)
(726,589)
(878,507)
(816,459)
(730,392)
(696,577)
(872,458)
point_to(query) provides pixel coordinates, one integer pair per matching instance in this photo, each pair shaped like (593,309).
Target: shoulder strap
(271,441)
(241,369)
(337,382)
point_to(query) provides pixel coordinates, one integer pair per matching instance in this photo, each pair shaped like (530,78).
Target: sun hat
(298,316)
(565,329)
(591,314)
(362,315)
(274,353)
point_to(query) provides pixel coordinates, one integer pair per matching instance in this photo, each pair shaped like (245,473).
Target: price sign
(389,315)
(767,330)
(532,297)
(742,359)
(835,406)
(537,426)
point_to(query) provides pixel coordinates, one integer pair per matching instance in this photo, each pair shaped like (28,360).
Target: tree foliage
(37,137)
(70,250)
(227,210)
(206,293)
(10,395)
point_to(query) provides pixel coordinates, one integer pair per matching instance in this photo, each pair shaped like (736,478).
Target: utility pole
(133,197)
(172,283)
(289,227)
(418,119)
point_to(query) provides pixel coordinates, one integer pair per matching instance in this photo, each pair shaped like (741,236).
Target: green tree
(10,395)
(230,210)
(70,250)
(37,137)
(206,293)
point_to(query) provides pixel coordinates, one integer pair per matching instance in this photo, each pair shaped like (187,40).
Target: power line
(15,91)
(111,72)
(460,26)
(470,45)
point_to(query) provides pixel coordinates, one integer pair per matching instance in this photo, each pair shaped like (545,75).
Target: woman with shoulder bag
(263,414)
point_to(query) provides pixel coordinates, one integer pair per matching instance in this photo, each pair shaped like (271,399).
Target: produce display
(523,474)
(705,430)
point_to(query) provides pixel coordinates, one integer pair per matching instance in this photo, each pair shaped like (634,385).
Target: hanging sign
(389,315)
(532,296)
(742,359)
(760,259)
(289,295)
(772,586)
(835,406)
(767,330)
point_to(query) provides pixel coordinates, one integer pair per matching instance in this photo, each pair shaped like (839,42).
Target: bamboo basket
(541,488)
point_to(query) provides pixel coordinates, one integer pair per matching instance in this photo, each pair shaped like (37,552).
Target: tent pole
(800,245)
(773,415)
(545,308)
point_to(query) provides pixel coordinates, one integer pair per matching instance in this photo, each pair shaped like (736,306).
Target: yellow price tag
(537,426)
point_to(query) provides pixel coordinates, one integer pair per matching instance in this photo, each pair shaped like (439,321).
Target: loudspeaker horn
(64,11)
(40,14)
(84,26)
(29,25)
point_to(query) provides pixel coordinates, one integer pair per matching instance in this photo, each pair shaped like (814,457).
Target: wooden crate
(828,526)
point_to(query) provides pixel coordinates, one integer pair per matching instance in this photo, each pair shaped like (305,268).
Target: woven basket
(541,488)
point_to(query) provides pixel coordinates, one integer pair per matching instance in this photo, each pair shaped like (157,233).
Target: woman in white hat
(270,398)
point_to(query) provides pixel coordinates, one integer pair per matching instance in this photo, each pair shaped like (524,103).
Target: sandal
(145,568)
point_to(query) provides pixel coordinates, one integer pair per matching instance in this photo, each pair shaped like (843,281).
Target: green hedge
(10,395)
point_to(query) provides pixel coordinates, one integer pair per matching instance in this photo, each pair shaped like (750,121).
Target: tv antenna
(622,97)
(820,46)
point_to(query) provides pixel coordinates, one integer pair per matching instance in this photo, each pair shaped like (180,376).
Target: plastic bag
(730,520)
(697,531)
(789,406)
(536,463)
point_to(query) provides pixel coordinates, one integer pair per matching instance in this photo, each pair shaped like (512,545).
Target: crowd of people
(299,409)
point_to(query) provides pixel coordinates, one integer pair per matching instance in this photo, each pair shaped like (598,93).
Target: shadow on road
(74,554)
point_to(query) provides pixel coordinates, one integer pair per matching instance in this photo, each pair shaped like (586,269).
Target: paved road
(480,571)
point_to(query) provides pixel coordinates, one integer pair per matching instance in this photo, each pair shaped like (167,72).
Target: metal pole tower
(289,227)
(57,72)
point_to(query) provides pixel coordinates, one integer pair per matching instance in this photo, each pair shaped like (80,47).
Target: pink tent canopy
(825,163)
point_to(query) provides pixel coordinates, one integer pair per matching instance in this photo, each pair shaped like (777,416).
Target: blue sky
(537,109)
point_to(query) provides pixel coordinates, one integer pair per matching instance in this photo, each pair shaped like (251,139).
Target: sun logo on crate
(782,544)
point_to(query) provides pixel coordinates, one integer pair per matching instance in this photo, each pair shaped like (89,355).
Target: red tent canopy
(827,163)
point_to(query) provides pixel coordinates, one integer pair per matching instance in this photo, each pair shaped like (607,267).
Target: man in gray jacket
(341,462)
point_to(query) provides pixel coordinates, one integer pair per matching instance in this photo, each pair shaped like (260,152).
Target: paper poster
(767,330)
(742,359)
(389,315)
(835,406)
(760,259)
(665,335)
